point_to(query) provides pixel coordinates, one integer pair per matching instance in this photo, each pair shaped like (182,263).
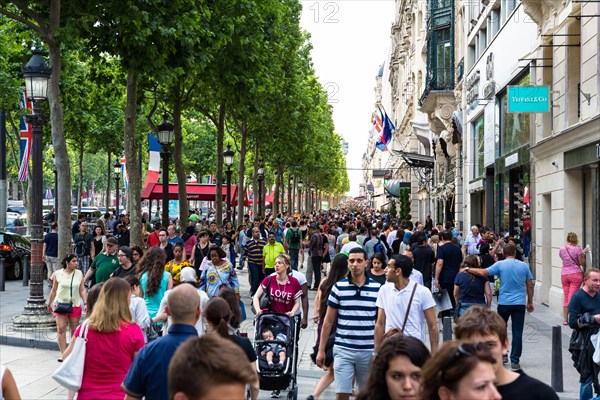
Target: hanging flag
(210,179)
(48,195)
(26,138)
(377,125)
(92,191)
(386,134)
(124,171)
(154,159)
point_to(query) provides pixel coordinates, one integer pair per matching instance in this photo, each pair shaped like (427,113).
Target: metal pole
(117,212)
(2,170)
(36,313)
(557,368)
(2,277)
(229,193)
(165,186)
(447,328)
(260,200)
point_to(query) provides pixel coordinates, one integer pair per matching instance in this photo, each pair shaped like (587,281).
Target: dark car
(14,248)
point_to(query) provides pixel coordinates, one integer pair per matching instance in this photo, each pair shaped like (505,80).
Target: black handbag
(265,300)
(66,308)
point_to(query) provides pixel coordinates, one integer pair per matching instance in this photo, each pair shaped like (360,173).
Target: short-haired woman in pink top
(571,274)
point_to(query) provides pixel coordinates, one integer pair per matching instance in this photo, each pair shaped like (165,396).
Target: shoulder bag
(456,311)
(66,308)
(265,300)
(70,373)
(575,261)
(400,332)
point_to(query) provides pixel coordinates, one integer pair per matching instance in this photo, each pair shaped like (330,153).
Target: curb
(28,342)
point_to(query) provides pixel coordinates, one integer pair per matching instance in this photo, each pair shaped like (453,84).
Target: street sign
(528,99)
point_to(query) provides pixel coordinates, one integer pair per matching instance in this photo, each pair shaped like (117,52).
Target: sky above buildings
(351,39)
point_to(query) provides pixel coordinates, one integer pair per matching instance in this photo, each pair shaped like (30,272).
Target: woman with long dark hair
(218,314)
(200,251)
(155,281)
(337,272)
(228,294)
(189,240)
(396,370)
(376,268)
(67,287)
(99,235)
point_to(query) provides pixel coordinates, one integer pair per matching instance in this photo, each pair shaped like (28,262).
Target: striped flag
(124,172)
(48,195)
(92,190)
(154,159)
(210,179)
(387,132)
(26,139)
(377,126)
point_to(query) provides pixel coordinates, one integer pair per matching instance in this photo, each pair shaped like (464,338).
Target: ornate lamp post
(228,161)
(36,316)
(261,176)
(165,138)
(117,170)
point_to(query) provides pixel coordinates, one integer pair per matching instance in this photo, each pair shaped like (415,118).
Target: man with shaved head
(147,374)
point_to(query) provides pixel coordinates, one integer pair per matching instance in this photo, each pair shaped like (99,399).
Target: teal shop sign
(528,99)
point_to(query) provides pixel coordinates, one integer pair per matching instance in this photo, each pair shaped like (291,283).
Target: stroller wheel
(293,394)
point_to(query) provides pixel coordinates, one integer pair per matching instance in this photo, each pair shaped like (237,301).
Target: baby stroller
(283,375)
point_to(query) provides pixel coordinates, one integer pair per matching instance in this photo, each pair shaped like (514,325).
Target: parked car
(13,248)
(16,209)
(16,223)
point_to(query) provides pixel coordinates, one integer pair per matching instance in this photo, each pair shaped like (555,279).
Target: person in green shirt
(105,263)
(293,240)
(271,250)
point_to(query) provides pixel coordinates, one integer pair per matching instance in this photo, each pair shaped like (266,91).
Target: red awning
(195,191)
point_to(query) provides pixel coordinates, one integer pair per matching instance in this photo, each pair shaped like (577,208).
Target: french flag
(377,126)
(387,132)
(154,159)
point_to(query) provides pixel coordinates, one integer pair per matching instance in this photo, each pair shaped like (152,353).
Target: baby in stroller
(270,349)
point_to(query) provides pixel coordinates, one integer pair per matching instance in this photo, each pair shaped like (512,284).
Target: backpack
(295,237)
(380,248)
(80,247)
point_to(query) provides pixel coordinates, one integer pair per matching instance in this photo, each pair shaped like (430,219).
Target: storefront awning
(415,160)
(195,191)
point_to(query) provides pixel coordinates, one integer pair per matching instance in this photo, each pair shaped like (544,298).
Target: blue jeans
(256,276)
(294,257)
(517,314)
(586,388)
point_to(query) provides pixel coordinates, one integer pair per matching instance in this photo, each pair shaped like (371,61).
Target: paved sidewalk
(34,360)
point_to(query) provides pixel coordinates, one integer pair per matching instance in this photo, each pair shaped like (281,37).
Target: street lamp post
(228,161)
(165,138)
(300,184)
(36,316)
(261,202)
(117,171)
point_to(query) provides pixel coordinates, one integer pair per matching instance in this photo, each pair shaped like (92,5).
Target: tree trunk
(178,159)
(255,190)
(61,155)
(275,205)
(219,172)
(135,186)
(242,174)
(290,206)
(80,179)
(108,171)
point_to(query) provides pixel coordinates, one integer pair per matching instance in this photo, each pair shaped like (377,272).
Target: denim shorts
(349,363)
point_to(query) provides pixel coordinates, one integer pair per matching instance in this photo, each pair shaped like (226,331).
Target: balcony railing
(460,69)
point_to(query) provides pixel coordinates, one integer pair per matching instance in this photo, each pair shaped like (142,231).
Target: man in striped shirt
(352,305)
(254,254)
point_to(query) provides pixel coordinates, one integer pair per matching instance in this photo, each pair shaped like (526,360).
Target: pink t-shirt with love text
(282,296)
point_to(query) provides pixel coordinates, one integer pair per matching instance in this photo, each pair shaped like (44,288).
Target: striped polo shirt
(357,313)
(253,250)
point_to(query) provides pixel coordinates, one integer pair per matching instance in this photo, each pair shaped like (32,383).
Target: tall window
(514,127)
(443,60)
(477,147)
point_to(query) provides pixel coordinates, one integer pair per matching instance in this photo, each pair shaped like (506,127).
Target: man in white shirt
(399,295)
(473,238)
(352,243)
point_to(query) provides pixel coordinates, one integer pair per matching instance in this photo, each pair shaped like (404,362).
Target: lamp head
(117,168)
(228,156)
(37,74)
(165,131)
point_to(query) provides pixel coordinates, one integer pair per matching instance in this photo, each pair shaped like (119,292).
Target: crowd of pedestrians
(379,286)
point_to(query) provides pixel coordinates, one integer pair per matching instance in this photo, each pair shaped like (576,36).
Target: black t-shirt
(527,388)
(246,345)
(487,261)
(169,252)
(452,256)
(379,278)
(423,259)
(121,272)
